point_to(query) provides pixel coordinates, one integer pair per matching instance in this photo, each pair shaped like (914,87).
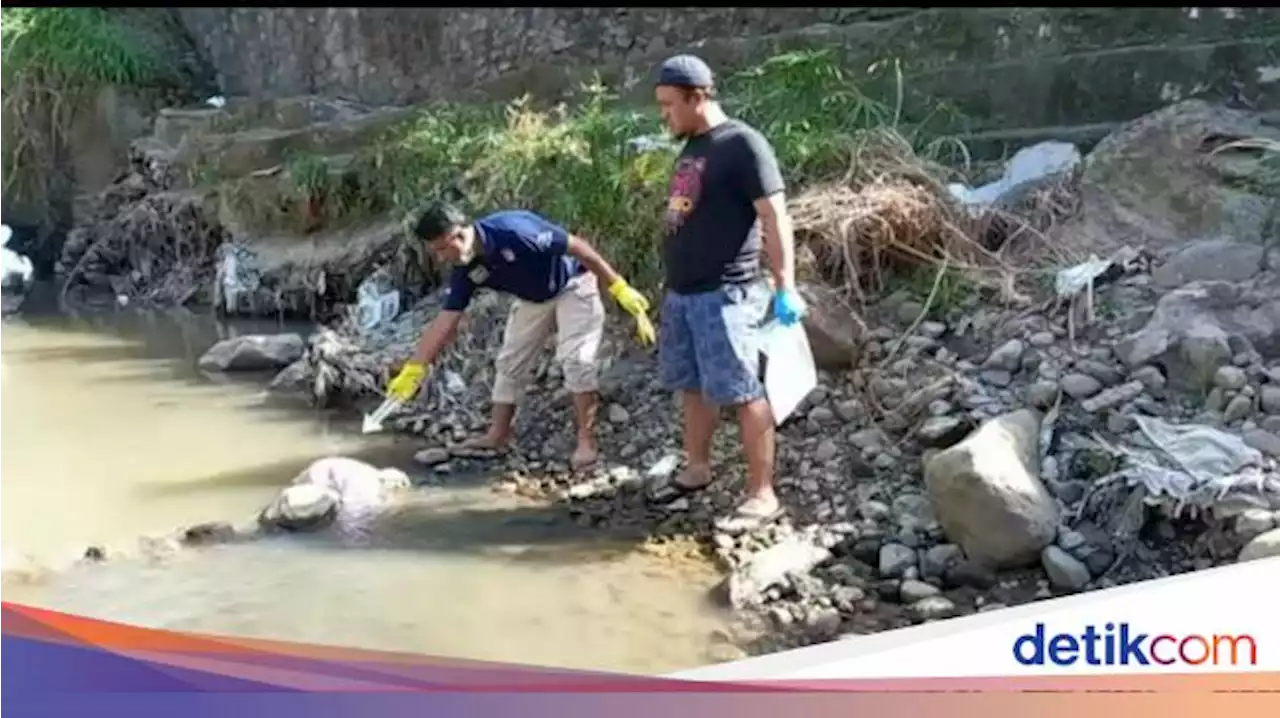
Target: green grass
(51,60)
(571,164)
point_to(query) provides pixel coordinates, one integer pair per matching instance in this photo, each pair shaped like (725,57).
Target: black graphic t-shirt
(711,236)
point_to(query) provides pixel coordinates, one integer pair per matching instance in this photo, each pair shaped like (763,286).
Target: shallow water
(110,433)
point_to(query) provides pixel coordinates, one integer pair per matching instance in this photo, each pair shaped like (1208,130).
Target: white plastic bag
(790,373)
(1038,161)
(377,301)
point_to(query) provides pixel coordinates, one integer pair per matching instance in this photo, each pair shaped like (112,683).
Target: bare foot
(584,457)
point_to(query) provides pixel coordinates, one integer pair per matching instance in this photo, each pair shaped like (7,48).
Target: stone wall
(1002,67)
(394,55)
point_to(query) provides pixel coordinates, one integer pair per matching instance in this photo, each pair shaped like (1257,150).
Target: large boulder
(987,494)
(1191,328)
(1165,179)
(254,352)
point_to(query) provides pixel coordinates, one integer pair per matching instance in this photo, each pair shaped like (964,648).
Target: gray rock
(942,431)
(849,409)
(1113,397)
(1216,400)
(1254,522)
(1264,545)
(1042,394)
(1042,340)
(874,510)
(914,513)
(432,456)
(1213,259)
(895,559)
(1070,540)
(618,414)
(1262,440)
(933,608)
(254,352)
(997,378)
(826,451)
(1271,399)
(1080,386)
(912,591)
(1240,407)
(1065,572)
(987,493)
(821,415)
(933,330)
(1101,371)
(872,439)
(1230,378)
(836,334)
(1271,424)
(1151,377)
(1007,357)
(940,559)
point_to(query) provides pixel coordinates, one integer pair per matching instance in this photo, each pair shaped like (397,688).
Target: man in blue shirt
(727,204)
(555,278)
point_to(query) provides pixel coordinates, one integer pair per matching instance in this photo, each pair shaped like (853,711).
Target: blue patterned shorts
(709,342)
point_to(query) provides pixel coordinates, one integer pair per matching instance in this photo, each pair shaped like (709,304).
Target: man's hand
(634,303)
(406,383)
(788,306)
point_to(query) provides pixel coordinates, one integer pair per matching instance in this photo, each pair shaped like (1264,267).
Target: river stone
(1213,259)
(988,496)
(942,431)
(1007,357)
(835,333)
(1265,545)
(1270,400)
(792,556)
(1230,378)
(1080,386)
(895,559)
(1064,570)
(913,590)
(255,352)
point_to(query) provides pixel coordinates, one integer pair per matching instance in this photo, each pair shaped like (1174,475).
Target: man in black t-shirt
(726,193)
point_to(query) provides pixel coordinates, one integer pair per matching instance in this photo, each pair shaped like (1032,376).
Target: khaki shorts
(577,318)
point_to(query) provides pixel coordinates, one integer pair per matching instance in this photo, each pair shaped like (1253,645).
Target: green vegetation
(53,59)
(572,163)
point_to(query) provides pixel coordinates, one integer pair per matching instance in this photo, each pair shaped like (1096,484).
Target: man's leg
(678,362)
(727,328)
(528,326)
(580,330)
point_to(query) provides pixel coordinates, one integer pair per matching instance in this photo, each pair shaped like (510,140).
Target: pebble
(895,559)
(1065,572)
(1042,340)
(942,431)
(618,414)
(912,590)
(1080,386)
(1008,357)
(849,409)
(997,377)
(933,330)
(432,456)
(1230,378)
(1240,407)
(1262,440)
(1042,394)
(1271,399)
(1113,397)
(937,560)
(933,608)
(1151,378)
(1254,522)
(826,451)
(1100,370)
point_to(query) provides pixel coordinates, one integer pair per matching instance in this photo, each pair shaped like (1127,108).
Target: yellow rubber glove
(406,383)
(634,303)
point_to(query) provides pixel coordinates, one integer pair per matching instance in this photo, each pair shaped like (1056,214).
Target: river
(110,434)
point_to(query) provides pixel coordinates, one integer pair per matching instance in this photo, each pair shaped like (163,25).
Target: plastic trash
(237,275)
(17,268)
(650,143)
(1036,162)
(377,300)
(216,101)
(1071,281)
(790,373)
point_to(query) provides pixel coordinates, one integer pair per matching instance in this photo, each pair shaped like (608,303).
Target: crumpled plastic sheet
(237,274)
(1070,282)
(1197,467)
(1030,164)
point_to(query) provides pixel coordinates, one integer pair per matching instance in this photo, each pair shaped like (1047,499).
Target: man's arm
(591,259)
(779,240)
(444,328)
(767,190)
(439,334)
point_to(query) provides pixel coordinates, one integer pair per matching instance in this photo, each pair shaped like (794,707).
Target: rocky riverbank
(1116,423)
(1071,402)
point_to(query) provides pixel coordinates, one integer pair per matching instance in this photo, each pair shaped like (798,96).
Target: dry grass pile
(892,214)
(143,241)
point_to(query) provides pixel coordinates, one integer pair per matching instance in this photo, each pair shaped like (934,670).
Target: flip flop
(668,489)
(747,517)
(464,451)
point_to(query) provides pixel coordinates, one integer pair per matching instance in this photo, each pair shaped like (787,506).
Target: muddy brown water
(110,434)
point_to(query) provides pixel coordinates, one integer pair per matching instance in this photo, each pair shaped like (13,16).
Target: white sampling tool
(373,421)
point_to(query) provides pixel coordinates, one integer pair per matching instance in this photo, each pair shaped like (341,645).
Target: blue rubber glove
(788,307)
